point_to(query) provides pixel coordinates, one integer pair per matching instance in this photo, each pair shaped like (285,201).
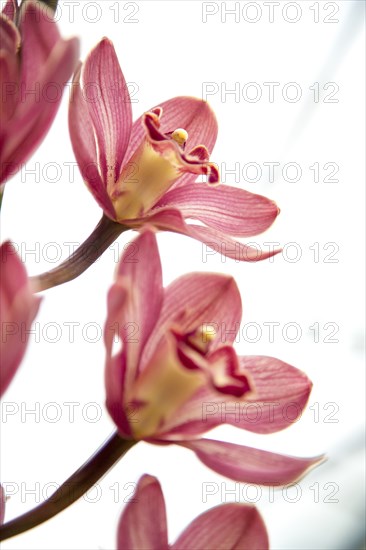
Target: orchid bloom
(35,65)
(226,527)
(18,308)
(177,375)
(146,172)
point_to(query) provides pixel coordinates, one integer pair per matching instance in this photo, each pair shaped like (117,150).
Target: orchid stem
(101,238)
(72,489)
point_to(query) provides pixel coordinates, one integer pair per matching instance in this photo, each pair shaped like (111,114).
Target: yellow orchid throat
(160,390)
(156,164)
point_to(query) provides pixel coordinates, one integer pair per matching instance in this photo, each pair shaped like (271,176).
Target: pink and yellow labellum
(181,366)
(156,164)
(175,381)
(146,172)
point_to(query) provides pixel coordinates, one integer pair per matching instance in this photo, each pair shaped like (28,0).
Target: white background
(170,51)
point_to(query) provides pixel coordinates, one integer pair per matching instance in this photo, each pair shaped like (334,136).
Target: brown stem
(102,237)
(72,489)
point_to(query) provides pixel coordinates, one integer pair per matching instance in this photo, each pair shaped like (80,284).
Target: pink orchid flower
(18,308)
(143,525)
(177,375)
(146,172)
(35,65)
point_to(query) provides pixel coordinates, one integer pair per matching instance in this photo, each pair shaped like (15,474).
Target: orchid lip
(221,367)
(196,161)
(157,163)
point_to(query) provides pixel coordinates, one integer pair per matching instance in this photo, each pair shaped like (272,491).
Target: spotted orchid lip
(195,162)
(221,366)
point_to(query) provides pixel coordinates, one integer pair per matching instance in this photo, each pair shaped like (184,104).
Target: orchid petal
(281,393)
(109,107)
(115,374)
(134,302)
(249,465)
(9,72)
(10,89)
(190,113)
(45,63)
(36,20)
(13,276)
(170,219)
(228,209)
(84,146)
(18,309)
(197,299)
(34,115)
(228,527)
(142,525)
(9,35)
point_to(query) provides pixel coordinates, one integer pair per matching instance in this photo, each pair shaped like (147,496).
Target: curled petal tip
(213,175)
(158,111)
(200,152)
